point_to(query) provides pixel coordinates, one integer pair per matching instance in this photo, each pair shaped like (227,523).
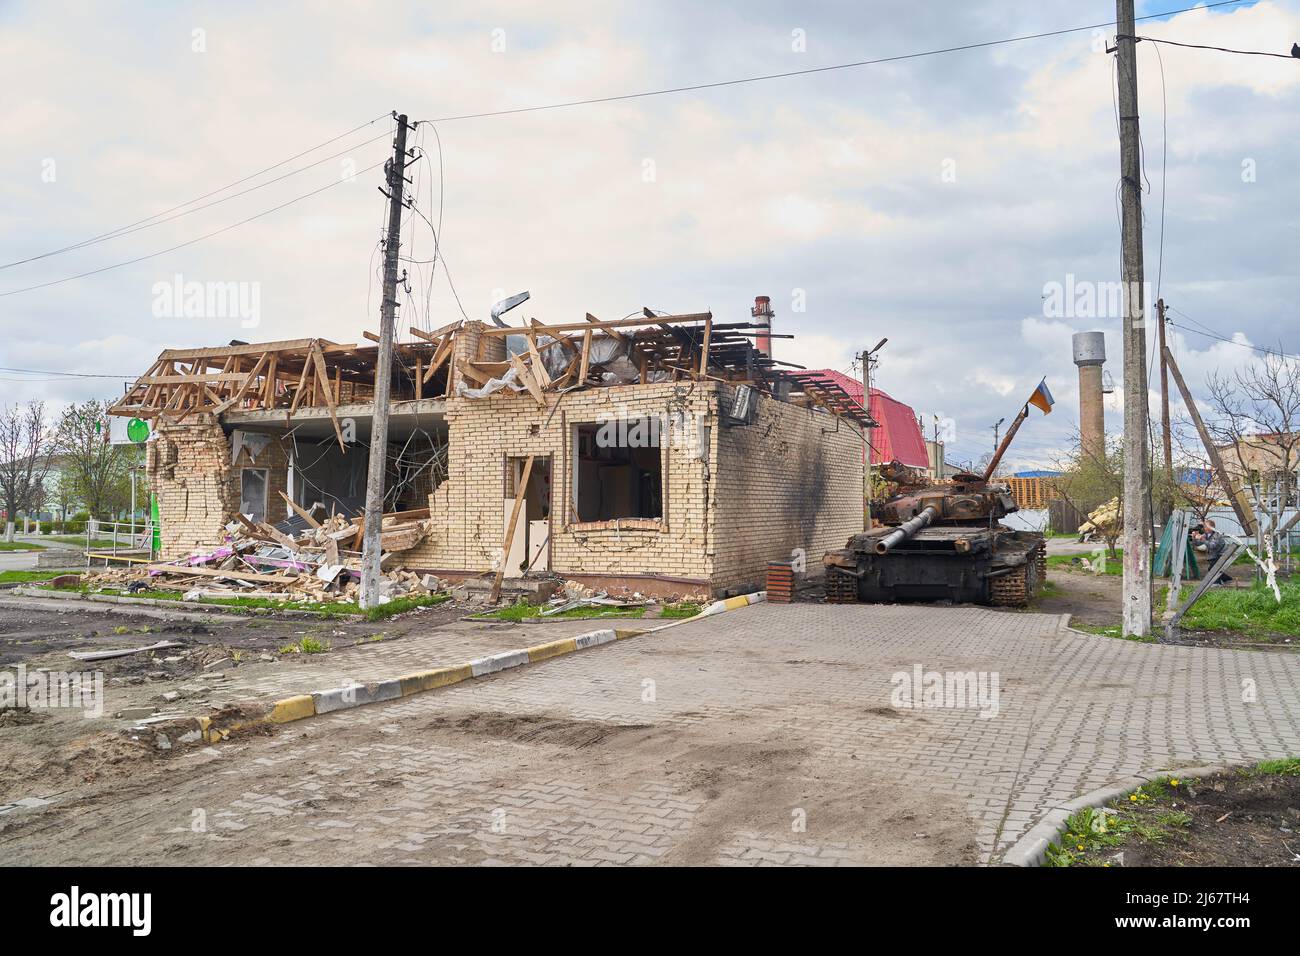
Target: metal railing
(126,542)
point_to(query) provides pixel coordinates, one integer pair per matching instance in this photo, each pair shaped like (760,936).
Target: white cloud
(832,184)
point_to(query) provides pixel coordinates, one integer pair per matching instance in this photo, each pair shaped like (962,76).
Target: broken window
(252,493)
(618,470)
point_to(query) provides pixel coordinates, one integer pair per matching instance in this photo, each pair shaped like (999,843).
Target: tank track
(841,588)
(1015,589)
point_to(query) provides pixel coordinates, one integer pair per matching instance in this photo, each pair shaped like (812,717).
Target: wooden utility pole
(1236,497)
(867,360)
(1167,494)
(1137,465)
(396,169)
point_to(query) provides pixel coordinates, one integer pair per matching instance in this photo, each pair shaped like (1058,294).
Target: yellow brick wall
(275,459)
(189,470)
(790,480)
(468,508)
(198,486)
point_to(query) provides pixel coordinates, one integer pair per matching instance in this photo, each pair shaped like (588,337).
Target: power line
(820,69)
(182,245)
(1164,168)
(445,271)
(1220,49)
(34,371)
(196,199)
(146,224)
(1244,345)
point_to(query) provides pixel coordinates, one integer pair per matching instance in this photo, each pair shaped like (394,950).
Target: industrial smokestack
(762,313)
(1090,355)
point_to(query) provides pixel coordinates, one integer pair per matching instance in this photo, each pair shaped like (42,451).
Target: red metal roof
(899,436)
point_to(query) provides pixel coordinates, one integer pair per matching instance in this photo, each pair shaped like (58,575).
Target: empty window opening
(252,493)
(618,471)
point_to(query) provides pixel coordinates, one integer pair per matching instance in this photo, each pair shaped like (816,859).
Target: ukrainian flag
(1042,398)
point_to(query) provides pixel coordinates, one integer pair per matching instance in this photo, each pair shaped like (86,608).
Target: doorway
(530,545)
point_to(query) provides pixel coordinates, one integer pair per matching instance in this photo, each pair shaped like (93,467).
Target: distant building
(898,436)
(1268,463)
(934,455)
(1033,489)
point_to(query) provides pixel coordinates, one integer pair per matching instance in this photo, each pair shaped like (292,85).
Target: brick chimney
(762,313)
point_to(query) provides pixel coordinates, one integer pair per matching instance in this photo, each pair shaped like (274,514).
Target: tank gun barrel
(906,530)
(1006,443)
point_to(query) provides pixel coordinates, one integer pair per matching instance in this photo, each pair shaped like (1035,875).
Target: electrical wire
(121,230)
(216,202)
(33,371)
(1164,167)
(820,69)
(182,245)
(445,270)
(1257,348)
(1198,46)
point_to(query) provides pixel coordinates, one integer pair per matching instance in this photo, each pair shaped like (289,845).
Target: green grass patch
(326,609)
(1113,631)
(523,611)
(26,577)
(1252,611)
(1072,562)
(1153,813)
(307,645)
(1093,830)
(20,546)
(681,609)
(401,605)
(79,540)
(1286,767)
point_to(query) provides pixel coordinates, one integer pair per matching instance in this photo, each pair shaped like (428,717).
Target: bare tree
(1255,419)
(1198,487)
(26,449)
(1255,415)
(1089,479)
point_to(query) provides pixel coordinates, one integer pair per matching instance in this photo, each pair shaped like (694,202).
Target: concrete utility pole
(383,375)
(997,430)
(1167,494)
(1137,467)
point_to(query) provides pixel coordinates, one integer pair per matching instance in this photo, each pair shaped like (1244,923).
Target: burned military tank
(941,542)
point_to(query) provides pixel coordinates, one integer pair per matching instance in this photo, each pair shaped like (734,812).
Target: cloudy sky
(932,200)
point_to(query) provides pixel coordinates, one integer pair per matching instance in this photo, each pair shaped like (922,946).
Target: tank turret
(941,540)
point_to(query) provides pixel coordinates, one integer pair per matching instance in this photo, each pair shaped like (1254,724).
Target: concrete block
(594,638)
(498,662)
(343,698)
(292,708)
(136,713)
(431,679)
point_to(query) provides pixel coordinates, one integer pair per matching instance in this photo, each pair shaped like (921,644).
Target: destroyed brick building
(669,455)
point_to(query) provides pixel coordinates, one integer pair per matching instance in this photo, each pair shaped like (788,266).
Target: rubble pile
(1104,522)
(312,558)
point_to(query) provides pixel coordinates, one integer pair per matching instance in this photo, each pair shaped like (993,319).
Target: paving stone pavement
(378,785)
(447,645)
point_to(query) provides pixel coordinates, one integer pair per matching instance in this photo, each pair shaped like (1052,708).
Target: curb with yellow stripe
(320,702)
